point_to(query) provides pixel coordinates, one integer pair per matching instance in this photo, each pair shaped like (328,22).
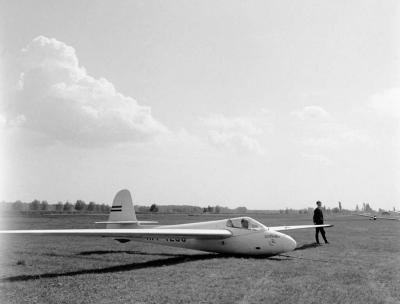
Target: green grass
(360,265)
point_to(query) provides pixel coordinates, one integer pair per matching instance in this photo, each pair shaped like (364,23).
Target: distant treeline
(81,206)
(60,207)
(188,209)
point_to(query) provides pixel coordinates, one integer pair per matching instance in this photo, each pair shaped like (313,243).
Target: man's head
(318,203)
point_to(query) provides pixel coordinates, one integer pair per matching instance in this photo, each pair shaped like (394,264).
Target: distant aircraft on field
(240,235)
(374,217)
(390,212)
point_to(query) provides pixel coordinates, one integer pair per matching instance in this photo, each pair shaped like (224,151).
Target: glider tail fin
(122,213)
(122,208)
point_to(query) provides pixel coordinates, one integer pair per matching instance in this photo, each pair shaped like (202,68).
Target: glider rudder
(122,213)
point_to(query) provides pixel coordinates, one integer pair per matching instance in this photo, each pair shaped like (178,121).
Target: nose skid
(289,244)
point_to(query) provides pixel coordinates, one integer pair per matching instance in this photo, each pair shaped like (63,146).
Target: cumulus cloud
(387,103)
(59,99)
(312,113)
(238,133)
(317,158)
(320,129)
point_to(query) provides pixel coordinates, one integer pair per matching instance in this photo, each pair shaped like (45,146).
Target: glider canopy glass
(244,223)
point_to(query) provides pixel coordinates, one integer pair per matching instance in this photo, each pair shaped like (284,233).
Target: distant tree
(175,209)
(303,211)
(34,205)
(80,205)
(44,205)
(18,205)
(357,208)
(368,208)
(91,206)
(97,208)
(335,210)
(68,207)
(153,208)
(60,207)
(364,207)
(104,208)
(340,206)
(241,210)
(194,209)
(217,209)
(143,209)
(210,209)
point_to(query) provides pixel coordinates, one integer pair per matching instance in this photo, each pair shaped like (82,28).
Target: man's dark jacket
(318,217)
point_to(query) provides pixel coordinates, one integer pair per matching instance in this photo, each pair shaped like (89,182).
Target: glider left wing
(133,233)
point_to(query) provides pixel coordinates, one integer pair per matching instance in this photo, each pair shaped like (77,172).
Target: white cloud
(387,103)
(3,121)
(233,124)
(319,129)
(313,113)
(317,158)
(238,133)
(59,99)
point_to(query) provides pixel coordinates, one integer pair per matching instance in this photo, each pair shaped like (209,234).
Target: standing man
(318,219)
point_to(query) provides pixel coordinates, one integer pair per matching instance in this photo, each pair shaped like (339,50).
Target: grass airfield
(360,265)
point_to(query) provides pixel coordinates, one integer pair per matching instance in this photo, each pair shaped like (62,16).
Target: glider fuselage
(252,240)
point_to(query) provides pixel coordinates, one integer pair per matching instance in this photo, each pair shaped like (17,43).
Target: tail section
(122,208)
(122,213)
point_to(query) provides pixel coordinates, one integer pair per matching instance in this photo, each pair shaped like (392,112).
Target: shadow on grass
(177,259)
(269,257)
(119,268)
(307,246)
(99,252)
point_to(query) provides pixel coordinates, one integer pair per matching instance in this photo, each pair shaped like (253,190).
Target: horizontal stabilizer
(282,228)
(132,233)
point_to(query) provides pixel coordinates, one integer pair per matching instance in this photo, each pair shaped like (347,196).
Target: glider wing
(132,233)
(282,228)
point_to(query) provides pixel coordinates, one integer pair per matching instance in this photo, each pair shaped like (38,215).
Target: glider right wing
(282,228)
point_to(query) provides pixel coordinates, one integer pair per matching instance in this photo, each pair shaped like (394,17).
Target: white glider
(240,235)
(374,217)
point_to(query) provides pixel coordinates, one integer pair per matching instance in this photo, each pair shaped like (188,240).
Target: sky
(263,104)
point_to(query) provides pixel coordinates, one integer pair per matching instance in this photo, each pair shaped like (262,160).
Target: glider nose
(289,243)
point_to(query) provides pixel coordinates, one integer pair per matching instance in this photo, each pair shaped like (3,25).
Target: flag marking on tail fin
(116,208)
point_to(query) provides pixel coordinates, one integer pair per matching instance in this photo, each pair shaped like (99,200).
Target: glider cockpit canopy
(244,223)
